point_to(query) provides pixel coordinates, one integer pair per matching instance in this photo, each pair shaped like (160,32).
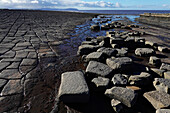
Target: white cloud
(34,2)
(118,5)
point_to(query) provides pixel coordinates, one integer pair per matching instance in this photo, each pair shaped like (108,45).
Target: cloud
(56,3)
(118,5)
(166,6)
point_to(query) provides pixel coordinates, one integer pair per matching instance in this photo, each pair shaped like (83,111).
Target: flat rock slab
(126,96)
(86,49)
(162,84)
(108,51)
(10,74)
(73,88)
(158,99)
(165,66)
(99,69)
(29,62)
(144,52)
(2,82)
(101,83)
(3,65)
(95,56)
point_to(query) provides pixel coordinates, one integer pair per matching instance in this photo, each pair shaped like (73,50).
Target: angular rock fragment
(120,79)
(126,96)
(95,27)
(121,64)
(108,51)
(154,61)
(163,49)
(121,52)
(167,75)
(158,99)
(86,49)
(73,88)
(99,69)
(144,52)
(2,82)
(101,83)
(117,105)
(163,111)
(165,67)
(158,71)
(140,80)
(162,84)
(95,56)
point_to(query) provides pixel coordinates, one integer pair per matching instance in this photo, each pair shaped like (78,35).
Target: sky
(88,4)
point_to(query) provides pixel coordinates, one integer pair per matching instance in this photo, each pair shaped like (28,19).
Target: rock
(163,111)
(165,67)
(117,105)
(144,52)
(86,49)
(162,84)
(96,56)
(118,41)
(3,65)
(158,71)
(2,82)
(100,38)
(126,96)
(10,74)
(99,69)
(29,62)
(108,51)
(120,64)
(154,61)
(88,43)
(105,42)
(114,46)
(158,99)
(101,83)
(95,27)
(119,79)
(140,80)
(151,44)
(12,87)
(163,49)
(134,88)
(73,88)
(167,75)
(121,52)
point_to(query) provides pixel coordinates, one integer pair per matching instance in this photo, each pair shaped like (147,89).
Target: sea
(124,12)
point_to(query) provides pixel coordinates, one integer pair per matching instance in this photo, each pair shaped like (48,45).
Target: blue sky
(88,4)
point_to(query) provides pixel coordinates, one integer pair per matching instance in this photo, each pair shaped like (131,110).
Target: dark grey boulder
(158,99)
(140,80)
(99,69)
(96,56)
(126,96)
(86,49)
(120,79)
(101,83)
(108,51)
(162,84)
(165,66)
(121,64)
(144,52)
(73,88)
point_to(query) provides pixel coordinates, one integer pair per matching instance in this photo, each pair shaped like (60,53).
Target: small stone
(162,84)
(117,105)
(108,51)
(167,75)
(144,52)
(154,61)
(158,99)
(73,88)
(119,79)
(158,71)
(163,49)
(165,67)
(126,96)
(101,83)
(163,111)
(99,69)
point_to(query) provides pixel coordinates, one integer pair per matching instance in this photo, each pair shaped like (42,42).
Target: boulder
(118,41)
(114,46)
(120,79)
(151,44)
(117,105)
(144,52)
(105,42)
(163,111)
(99,69)
(153,60)
(95,27)
(162,84)
(101,83)
(108,51)
(126,96)
(73,88)
(158,99)
(121,52)
(163,49)
(158,72)
(140,80)
(95,56)
(167,75)
(120,64)
(165,67)
(86,49)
